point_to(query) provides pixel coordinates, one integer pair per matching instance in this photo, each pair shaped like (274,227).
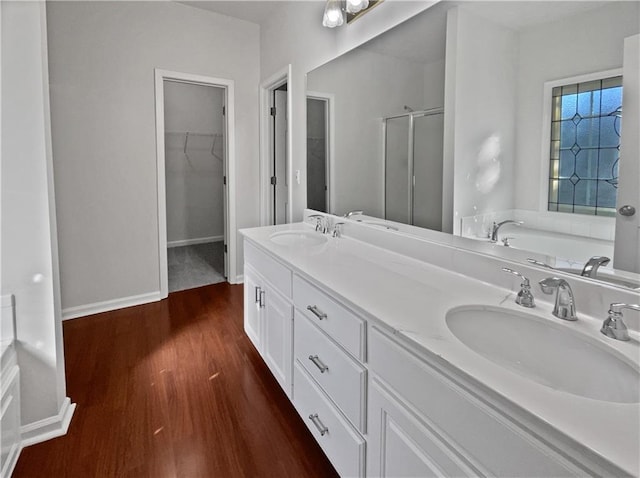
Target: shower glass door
(397,191)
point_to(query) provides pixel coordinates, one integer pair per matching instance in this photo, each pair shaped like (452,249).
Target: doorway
(279,176)
(319,140)
(194,179)
(275,149)
(195,172)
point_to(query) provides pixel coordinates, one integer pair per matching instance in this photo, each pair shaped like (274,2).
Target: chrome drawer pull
(257,295)
(316,421)
(317,312)
(262,302)
(316,361)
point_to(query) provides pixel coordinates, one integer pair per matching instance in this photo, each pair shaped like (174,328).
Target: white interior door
(280,158)
(627,244)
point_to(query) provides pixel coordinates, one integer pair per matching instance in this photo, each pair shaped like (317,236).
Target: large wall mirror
(472,114)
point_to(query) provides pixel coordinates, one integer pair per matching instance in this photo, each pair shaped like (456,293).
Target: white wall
(589,42)
(297,37)
(482,77)
(367,87)
(29,245)
(102,60)
(434,84)
(193,180)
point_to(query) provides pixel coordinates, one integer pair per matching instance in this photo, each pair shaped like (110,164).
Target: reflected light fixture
(354,6)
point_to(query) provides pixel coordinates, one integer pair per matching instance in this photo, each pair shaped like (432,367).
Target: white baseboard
(199,240)
(239,279)
(50,427)
(107,305)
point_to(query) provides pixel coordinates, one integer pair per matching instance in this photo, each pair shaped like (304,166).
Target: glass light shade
(354,6)
(333,16)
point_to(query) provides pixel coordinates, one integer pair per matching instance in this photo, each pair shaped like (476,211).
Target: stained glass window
(585,147)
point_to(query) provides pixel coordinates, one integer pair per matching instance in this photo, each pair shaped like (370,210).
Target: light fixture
(337,11)
(333,16)
(354,6)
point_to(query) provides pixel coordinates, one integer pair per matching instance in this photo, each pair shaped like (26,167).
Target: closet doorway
(276,175)
(194,216)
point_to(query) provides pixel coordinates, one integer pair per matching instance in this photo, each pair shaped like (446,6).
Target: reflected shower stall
(412,149)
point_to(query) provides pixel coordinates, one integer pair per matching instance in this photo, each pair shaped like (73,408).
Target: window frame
(546,131)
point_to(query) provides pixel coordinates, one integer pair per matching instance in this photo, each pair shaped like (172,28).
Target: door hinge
(274,180)
(224,180)
(272,111)
(225,249)
(224,110)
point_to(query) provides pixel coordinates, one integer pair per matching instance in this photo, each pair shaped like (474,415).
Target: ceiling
(422,38)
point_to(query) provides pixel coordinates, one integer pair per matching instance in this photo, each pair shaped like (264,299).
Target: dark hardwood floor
(174,388)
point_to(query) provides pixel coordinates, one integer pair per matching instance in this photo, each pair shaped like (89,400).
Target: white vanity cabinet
(330,379)
(424,421)
(268,312)
(378,401)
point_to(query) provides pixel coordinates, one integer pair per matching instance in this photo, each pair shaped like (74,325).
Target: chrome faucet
(613,326)
(321,223)
(353,213)
(496,227)
(565,306)
(337,229)
(592,265)
(524,297)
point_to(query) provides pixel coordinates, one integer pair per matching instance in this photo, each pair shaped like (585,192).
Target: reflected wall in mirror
(499,60)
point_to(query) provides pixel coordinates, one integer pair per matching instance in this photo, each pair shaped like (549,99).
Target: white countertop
(411,298)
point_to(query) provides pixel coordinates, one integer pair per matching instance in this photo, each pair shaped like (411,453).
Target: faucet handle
(524,297)
(613,326)
(337,229)
(353,213)
(539,263)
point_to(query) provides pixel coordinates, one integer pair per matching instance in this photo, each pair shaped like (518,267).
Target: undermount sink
(546,353)
(298,238)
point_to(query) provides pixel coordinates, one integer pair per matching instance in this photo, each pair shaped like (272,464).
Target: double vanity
(408,357)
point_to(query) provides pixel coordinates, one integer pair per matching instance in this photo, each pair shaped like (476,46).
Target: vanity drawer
(471,427)
(338,322)
(343,379)
(274,272)
(344,447)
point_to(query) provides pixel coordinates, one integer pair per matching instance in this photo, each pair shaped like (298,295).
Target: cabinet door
(252,310)
(10,420)
(400,445)
(277,322)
